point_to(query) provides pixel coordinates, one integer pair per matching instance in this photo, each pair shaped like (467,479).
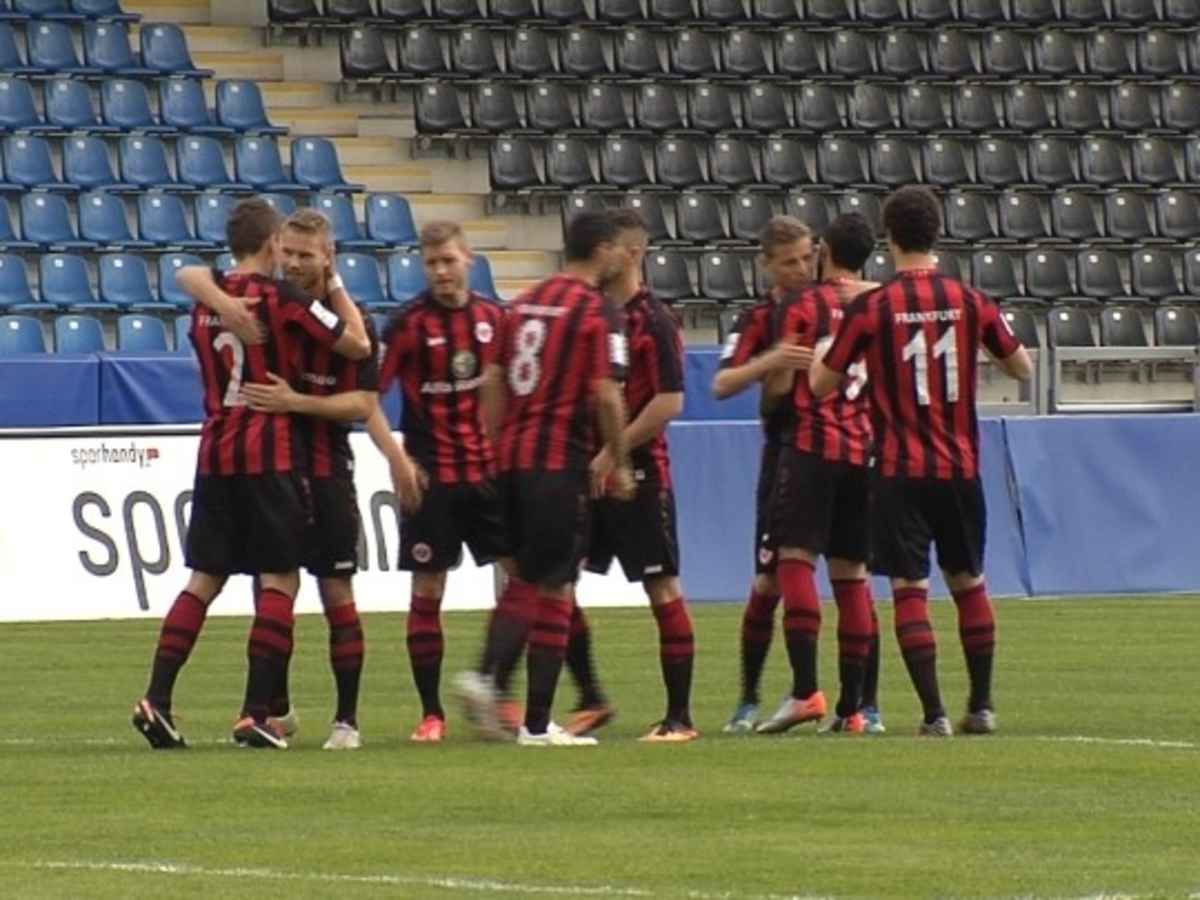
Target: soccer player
(819,506)
(561,355)
(920,334)
(641,533)
(752,352)
(438,347)
(250,507)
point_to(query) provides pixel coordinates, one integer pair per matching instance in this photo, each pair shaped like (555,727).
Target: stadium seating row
(165,221)
(50,49)
(569,162)
(423,52)
(65,10)
(143,164)
(619,12)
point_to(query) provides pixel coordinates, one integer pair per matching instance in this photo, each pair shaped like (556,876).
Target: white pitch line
(1122,742)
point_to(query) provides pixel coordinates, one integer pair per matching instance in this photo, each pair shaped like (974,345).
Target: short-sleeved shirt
(920,334)
(559,338)
(655,367)
(438,354)
(236,440)
(753,334)
(836,428)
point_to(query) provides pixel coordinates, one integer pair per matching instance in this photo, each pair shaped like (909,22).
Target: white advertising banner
(92,527)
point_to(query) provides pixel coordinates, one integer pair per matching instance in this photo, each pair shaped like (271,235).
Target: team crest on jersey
(463,364)
(422,553)
(764,556)
(484,332)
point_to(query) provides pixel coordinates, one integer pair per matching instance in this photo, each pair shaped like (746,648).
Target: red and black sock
(758,623)
(426,646)
(677,653)
(267,650)
(346,652)
(580,663)
(977,631)
(871,678)
(180,628)
(547,650)
(918,646)
(854,640)
(801,623)
(508,631)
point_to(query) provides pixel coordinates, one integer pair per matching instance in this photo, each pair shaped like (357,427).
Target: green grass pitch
(1092,786)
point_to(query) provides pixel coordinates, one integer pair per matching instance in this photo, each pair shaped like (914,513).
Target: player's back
(555,343)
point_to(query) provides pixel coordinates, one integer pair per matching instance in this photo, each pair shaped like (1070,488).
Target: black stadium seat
(1121,326)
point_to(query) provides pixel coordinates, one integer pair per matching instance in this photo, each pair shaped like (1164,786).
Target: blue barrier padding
(1109,503)
(699,368)
(43,391)
(141,388)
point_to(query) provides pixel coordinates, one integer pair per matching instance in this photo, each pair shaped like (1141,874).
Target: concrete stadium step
(486,234)
(458,207)
(373,151)
(508,288)
(318,122)
(182,12)
(297,95)
(225,39)
(518,265)
(407,178)
(263,64)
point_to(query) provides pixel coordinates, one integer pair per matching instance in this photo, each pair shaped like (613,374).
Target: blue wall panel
(49,391)
(162,388)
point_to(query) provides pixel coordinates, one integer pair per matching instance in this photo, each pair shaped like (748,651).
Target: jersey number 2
(946,349)
(526,369)
(233,393)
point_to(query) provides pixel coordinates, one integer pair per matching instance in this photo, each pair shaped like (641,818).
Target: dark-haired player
(920,335)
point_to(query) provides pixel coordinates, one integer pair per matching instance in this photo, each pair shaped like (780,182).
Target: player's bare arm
(613,475)
(354,342)
(647,425)
(492,400)
(783,357)
(1016,365)
(279,397)
(236,313)
(409,481)
(823,380)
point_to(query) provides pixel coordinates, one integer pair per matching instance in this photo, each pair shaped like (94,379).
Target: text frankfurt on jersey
(451,387)
(933,315)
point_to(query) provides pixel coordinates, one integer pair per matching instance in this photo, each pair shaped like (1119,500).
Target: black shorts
(764,548)
(451,515)
(546,522)
(248,524)
(332,548)
(820,506)
(907,514)
(640,533)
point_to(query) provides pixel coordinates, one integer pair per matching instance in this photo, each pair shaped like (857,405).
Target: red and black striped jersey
(438,354)
(558,338)
(836,428)
(322,373)
(921,334)
(236,440)
(655,346)
(753,334)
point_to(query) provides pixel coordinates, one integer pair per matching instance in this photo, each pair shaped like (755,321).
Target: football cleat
(553,736)
(287,724)
(939,727)
(511,715)
(669,731)
(851,724)
(343,737)
(480,704)
(431,731)
(585,721)
(794,712)
(982,722)
(874,720)
(260,735)
(743,720)
(157,727)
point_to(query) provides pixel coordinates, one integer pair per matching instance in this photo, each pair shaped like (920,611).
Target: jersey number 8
(525,371)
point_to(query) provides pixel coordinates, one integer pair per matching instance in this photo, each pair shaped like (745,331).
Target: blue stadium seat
(52,50)
(240,107)
(78,334)
(125,104)
(165,51)
(141,334)
(58,10)
(183,329)
(257,163)
(339,210)
(315,165)
(65,282)
(390,220)
(18,110)
(144,163)
(168,291)
(27,163)
(15,293)
(125,282)
(224,262)
(380,322)
(406,277)
(103,9)
(360,274)
(106,47)
(479,278)
(8,237)
(87,165)
(69,107)
(200,162)
(102,221)
(212,212)
(21,334)
(182,105)
(46,221)
(162,221)
(284,204)
(11,61)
